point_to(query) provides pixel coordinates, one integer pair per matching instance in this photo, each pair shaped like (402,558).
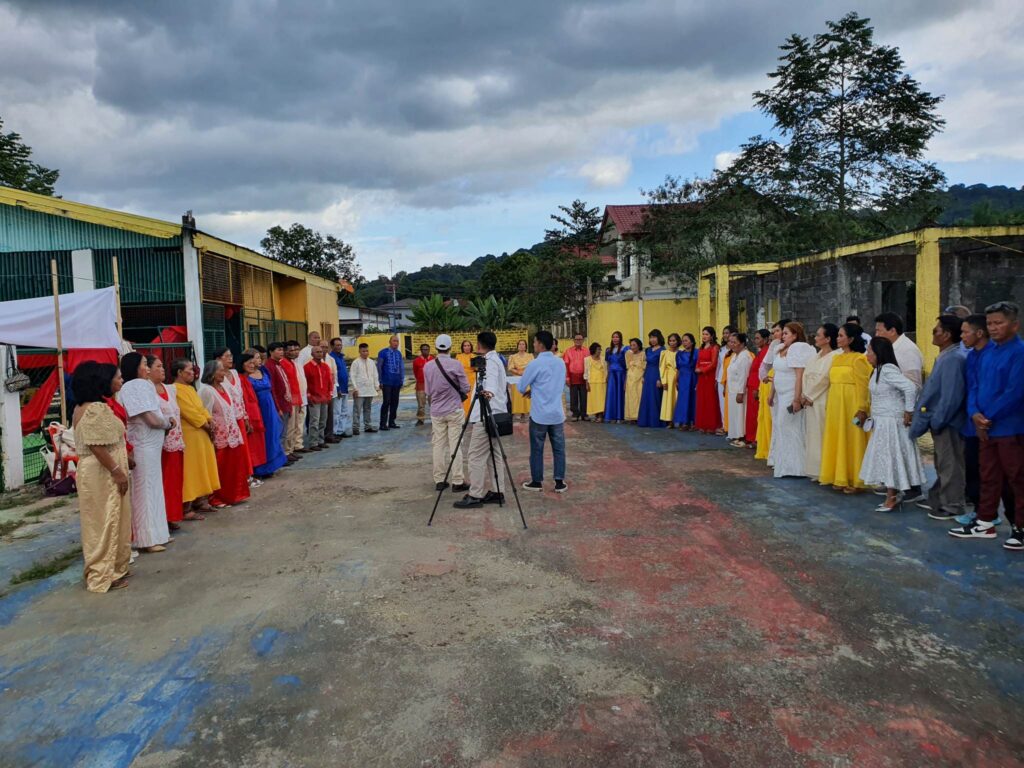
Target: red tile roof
(629,219)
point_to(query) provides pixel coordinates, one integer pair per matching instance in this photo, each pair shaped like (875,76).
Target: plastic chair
(63,457)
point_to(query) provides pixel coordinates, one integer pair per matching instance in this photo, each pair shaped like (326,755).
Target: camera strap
(449,379)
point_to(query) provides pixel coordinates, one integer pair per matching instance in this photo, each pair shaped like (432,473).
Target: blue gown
(271,425)
(650,395)
(687,399)
(615,395)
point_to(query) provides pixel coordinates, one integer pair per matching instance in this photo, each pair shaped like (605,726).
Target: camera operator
(446,386)
(495,390)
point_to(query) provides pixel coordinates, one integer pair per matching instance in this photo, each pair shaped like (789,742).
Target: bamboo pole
(60,345)
(117,294)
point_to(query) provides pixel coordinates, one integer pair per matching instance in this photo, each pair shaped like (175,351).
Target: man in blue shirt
(941,411)
(545,380)
(342,407)
(391,370)
(996,407)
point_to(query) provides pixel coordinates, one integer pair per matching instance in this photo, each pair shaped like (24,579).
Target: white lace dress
(786,455)
(892,458)
(149,512)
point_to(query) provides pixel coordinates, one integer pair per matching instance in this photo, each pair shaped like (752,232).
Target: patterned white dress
(149,512)
(892,458)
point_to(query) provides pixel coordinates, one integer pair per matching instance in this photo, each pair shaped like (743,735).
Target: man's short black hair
(891,321)
(291,343)
(364,345)
(487,340)
(275,345)
(951,324)
(336,338)
(424,346)
(546,339)
(764,333)
(258,348)
(977,322)
(90,382)
(853,319)
(1007,309)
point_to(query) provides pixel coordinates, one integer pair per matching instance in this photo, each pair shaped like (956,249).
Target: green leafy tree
(493,314)
(433,315)
(506,277)
(17,169)
(307,249)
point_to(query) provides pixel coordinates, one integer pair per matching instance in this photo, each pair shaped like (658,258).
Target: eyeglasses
(1007,307)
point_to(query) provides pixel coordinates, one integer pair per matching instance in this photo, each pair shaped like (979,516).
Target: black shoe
(440,486)
(533,486)
(468,502)
(383,429)
(1016,540)
(494,498)
(460,488)
(914,495)
(419,422)
(560,486)
(370,429)
(393,426)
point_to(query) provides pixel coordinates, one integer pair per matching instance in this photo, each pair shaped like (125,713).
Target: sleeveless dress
(275,457)
(172,458)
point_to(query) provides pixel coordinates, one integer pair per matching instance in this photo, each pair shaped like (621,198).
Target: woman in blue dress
(686,361)
(650,396)
(615,396)
(260,380)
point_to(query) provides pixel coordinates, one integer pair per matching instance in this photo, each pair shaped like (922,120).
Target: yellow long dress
(843,446)
(516,367)
(669,382)
(106,515)
(464,358)
(635,364)
(724,383)
(200,471)
(595,372)
(764,418)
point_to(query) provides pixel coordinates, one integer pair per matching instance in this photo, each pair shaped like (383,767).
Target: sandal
(119,584)
(219,505)
(190,516)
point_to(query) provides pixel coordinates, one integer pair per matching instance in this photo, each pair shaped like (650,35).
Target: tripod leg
(451,463)
(485,413)
(511,481)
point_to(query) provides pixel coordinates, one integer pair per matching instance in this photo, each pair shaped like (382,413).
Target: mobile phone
(856,422)
(789,409)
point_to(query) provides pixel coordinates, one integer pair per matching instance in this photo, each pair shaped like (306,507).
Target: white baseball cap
(443,342)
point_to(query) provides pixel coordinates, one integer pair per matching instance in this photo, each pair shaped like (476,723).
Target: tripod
(485,419)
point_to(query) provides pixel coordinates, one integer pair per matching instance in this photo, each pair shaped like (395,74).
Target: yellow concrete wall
(667,315)
(290,299)
(321,307)
(507,340)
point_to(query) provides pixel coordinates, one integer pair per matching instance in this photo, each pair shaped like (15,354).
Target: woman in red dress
(228,442)
(172,458)
(233,386)
(708,417)
(255,440)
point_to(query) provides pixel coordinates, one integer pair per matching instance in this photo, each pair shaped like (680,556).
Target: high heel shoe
(897,505)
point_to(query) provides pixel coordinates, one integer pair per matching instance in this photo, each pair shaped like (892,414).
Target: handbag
(15,380)
(448,378)
(499,425)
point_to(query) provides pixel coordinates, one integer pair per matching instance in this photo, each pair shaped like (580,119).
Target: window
(627,264)
(326,331)
(773,311)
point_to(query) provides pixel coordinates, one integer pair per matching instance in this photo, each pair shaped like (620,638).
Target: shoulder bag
(450,380)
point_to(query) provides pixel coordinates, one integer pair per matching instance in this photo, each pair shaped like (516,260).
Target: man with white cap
(446,386)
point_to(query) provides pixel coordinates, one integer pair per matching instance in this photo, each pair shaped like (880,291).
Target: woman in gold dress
(636,361)
(516,367)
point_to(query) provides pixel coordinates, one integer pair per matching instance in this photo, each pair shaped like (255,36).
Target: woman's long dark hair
(884,354)
(856,335)
(622,343)
(714,335)
(130,366)
(657,334)
(832,331)
(90,382)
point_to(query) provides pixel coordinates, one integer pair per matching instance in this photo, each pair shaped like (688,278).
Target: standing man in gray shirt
(940,410)
(446,386)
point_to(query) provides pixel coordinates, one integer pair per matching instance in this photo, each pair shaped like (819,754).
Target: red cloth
(753,406)
(319,382)
(122,414)
(574,361)
(288,366)
(279,386)
(233,468)
(34,412)
(173,465)
(417,371)
(708,416)
(1001,461)
(255,441)
(754,377)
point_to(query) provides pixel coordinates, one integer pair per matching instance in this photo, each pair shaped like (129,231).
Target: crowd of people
(160,448)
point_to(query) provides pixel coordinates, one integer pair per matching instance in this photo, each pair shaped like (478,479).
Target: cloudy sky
(438,131)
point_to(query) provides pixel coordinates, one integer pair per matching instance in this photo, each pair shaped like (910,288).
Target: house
(357,321)
(400,313)
(619,246)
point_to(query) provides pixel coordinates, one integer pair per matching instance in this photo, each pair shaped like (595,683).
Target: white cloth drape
(88,320)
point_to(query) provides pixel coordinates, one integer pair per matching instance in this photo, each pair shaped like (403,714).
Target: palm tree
(432,315)
(493,314)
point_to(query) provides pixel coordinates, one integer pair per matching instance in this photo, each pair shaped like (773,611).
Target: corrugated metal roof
(27,230)
(148,275)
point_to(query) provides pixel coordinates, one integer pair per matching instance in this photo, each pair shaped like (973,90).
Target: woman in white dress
(816,396)
(786,456)
(147,427)
(736,388)
(891,459)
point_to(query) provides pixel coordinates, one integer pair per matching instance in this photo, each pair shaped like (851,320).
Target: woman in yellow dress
(102,479)
(516,367)
(764,412)
(669,383)
(464,357)
(844,443)
(200,471)
(595,374)
(636,361)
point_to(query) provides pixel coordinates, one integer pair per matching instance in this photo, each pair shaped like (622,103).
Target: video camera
(479,364)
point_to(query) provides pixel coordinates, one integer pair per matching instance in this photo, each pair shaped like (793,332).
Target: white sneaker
(976,530)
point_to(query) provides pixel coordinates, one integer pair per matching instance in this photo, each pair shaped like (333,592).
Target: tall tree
(17,169)
(307,249)
(579,228)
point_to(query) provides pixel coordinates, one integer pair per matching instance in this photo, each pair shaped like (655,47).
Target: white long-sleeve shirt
(910,360)
(363,378)
(739,369)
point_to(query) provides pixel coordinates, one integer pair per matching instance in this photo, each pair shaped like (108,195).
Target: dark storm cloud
(275,104)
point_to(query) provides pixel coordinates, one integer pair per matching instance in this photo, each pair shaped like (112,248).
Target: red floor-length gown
(172,461)
(255,441)
(753,387)
(232,461)
(708,416)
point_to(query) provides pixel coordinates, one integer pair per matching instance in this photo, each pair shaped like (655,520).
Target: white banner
(88,320)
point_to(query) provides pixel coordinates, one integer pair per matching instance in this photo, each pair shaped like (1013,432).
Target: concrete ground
(677,607)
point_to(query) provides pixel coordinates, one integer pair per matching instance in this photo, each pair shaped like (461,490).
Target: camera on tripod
(479,365)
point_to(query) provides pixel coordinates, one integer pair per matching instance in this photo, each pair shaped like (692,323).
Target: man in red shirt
(574,358)
(282,393)
(421,385)
(297,424)
(319,383)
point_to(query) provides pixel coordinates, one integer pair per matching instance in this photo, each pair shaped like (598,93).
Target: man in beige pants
(445,383)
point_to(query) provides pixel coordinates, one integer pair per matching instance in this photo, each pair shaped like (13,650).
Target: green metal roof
(26,230)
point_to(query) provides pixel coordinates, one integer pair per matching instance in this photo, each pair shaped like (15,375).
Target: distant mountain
(982,204)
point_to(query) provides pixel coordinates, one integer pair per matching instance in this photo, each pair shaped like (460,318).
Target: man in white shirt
(889,326)
(855,319)
(365,385)
(330,436)
(481,467)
